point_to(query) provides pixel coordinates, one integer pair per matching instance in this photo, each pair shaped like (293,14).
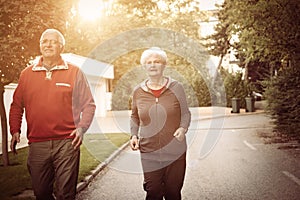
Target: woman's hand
(134,143)
(180,134)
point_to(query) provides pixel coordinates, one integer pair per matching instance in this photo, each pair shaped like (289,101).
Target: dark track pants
(53,161)
(166,181)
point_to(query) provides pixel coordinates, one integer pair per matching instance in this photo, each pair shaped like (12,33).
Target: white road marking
(249,145)
(292,177)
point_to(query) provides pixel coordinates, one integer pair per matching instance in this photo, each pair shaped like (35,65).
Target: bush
(283,98)
(196,91)
(236,87)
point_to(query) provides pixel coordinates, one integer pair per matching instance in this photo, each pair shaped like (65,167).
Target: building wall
(101,96)
(8,95)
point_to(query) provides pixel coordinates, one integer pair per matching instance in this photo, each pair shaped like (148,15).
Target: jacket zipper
(156,102)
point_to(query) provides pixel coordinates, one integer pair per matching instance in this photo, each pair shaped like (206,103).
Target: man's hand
(180,134)
(134,143)
(14,140)
(77,141)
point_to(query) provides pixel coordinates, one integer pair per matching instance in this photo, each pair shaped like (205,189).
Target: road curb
(230,115)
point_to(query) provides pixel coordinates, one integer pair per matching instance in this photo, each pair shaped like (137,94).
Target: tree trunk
(216,82)
(220,62)
(3,128)
(246,75)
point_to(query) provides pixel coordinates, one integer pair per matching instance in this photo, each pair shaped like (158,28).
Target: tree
(268,36)
(219,43)
(282,93)
(180,17)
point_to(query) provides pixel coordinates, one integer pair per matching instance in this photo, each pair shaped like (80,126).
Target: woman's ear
(62,48)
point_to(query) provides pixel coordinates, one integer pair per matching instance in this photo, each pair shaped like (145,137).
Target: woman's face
(154,66)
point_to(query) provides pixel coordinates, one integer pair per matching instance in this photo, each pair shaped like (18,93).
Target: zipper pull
(156,100)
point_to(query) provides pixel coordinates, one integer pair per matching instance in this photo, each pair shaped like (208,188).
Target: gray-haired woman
(159,121)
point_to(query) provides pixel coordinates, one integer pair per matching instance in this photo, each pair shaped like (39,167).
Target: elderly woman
(159,121)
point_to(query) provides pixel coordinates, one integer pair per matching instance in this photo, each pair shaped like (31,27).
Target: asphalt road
(226,160)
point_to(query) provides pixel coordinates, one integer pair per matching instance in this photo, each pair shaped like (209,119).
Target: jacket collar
(39,66)
(145,88)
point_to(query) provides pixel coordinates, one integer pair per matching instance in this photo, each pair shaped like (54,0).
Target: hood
(146,89)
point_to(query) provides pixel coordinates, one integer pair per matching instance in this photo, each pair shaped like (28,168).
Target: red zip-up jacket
(55,102)
(154,120)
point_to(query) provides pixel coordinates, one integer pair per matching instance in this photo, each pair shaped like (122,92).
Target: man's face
(50,46)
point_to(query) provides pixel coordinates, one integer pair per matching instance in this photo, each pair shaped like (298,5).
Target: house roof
(90,66)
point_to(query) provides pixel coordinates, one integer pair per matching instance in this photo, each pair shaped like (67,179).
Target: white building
(100,76)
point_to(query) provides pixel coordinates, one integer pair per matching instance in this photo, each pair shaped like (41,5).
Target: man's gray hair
(153,51)
(60,35)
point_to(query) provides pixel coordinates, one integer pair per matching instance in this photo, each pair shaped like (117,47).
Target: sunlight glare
(90,9)
(162,5)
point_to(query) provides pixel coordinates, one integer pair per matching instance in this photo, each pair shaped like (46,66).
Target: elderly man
(59,108)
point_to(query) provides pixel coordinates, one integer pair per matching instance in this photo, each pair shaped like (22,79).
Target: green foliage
(22,23)
(126,15)
(199,90)
(196,92)
(218,43)
(267,31)
(283,100)
(236,87)
(268,36)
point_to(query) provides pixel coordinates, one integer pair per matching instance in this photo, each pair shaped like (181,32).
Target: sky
(209,4)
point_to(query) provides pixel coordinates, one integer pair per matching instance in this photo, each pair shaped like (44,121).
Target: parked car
(257,96)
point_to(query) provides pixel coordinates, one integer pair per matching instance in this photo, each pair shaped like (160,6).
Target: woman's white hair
(60,35)
(153,51)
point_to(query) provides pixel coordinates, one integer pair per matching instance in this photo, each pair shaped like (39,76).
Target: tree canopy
(21,25)
(266,38)
(265,31)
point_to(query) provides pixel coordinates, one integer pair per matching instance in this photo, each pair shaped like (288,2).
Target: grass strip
(15,178)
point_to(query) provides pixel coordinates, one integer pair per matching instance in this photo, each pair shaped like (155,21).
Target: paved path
(233,163)
(226,160)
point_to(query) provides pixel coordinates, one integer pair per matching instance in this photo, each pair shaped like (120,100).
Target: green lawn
(95,149)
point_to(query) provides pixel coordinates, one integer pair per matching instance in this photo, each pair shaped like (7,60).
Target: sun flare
(90,9)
